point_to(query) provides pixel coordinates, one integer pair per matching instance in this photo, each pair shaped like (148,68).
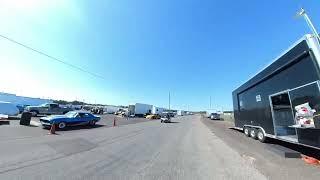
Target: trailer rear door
(308,93)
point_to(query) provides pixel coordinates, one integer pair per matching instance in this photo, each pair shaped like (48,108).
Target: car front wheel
(62,125)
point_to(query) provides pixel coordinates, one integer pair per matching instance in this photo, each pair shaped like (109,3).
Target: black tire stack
(25,118)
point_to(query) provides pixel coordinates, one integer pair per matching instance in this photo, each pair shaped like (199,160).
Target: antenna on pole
(303,13)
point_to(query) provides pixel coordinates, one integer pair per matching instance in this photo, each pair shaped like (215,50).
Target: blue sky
(144,49)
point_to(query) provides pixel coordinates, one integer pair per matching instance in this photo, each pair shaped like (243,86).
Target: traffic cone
(310,160)
(52,129)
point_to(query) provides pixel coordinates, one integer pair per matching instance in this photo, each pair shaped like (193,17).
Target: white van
(7,108)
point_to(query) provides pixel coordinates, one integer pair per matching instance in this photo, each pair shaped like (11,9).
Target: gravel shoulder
(266,161)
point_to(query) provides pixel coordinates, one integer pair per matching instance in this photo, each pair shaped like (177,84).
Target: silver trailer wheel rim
(246,131)
(252,133)
(260,135)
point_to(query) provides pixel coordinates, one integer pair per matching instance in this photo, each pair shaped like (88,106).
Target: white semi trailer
(139,109)
(181,113)
(110,109)
(157,110)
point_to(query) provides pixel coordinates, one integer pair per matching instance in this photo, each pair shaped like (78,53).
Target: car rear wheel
(92,122)
(253,133)
(62,125)
(246,131)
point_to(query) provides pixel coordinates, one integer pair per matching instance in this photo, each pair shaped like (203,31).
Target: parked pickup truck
(47,108)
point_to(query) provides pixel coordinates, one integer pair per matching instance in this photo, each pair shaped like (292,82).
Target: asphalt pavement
(184,149)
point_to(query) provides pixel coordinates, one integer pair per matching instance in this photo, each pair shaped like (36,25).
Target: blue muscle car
(71,118)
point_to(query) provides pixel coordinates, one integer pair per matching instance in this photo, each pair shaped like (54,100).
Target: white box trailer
(157,110)
(21,100)
(131,110)
(9,109)
(142,109)
(110,109)
(181,113)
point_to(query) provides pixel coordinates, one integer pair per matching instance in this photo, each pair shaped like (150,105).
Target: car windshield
(71,114)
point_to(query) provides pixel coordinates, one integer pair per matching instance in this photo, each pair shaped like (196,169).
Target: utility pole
(210,102)
(169,100)
(303,13)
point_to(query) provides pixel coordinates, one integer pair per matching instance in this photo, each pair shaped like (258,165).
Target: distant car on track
(72,118)
(215,116)
(166,118)
(153,116)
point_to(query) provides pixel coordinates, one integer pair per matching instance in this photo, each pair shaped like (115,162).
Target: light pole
(303,13)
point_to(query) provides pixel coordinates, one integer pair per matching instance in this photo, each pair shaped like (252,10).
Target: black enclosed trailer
(264,106)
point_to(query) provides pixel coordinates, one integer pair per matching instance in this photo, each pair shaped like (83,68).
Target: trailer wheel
(246,131)
(253,133)
(261,137)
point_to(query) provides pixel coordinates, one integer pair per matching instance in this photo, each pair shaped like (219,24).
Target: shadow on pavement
(13,118)
(221,119)
(40,116)
(299,148)
(71,128)
(29,125)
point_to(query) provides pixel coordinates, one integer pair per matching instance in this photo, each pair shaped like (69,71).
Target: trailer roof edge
(304,37)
